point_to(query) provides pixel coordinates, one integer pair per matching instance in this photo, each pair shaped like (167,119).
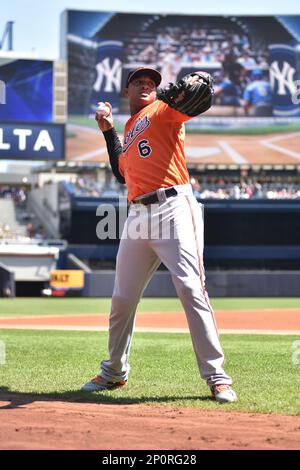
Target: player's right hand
(105,121)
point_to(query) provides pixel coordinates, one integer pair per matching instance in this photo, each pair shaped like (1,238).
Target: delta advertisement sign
(32,141)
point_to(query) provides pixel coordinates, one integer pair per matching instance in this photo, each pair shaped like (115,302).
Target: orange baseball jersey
(153,150)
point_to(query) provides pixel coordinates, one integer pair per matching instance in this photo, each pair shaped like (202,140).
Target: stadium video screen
(28,90)
(255,62)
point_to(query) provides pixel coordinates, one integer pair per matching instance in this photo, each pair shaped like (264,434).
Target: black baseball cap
(152,73)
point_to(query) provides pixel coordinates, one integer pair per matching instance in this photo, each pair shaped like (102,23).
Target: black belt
(152,199)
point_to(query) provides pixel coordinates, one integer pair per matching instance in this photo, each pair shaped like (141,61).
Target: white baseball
(103,109)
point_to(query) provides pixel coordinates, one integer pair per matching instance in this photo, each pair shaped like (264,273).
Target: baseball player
(258,96)
(152,164)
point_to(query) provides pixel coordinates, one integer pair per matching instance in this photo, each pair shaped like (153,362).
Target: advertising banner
(67,279)
(26,90)
(32,141)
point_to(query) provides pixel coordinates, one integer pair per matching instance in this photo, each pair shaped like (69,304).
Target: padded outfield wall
(256,234)
(218,284)
(251,249)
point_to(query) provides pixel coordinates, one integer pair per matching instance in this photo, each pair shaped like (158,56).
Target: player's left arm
(192,95)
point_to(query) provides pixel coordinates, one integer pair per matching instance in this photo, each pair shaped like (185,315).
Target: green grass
(44,306)
(55,364)
(71,306)
(255,303)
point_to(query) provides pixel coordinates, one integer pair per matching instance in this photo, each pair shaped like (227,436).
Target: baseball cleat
(223,393)
(98,384)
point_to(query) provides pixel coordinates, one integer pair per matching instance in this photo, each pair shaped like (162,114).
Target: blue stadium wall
(252,248)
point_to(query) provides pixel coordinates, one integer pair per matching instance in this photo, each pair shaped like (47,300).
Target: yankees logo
(139,127)
(284,77)
(111,74)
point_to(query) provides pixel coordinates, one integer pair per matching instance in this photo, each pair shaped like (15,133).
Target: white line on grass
(147,330)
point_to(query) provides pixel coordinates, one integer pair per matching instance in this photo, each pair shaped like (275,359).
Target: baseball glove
(192,95)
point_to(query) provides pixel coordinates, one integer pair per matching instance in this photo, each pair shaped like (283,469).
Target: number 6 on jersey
(144,148)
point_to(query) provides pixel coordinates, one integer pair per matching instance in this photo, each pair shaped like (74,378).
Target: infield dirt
(27,423)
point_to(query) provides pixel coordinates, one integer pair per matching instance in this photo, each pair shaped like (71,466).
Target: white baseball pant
(171,232)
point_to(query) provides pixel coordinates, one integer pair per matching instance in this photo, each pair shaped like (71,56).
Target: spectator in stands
(21,196)
(257,191)
(258,96)
(262,61)
(30,230)
(163,41)
(6,228)
(40,233)
(110,187)
(207,56)
(188,54)
(6,192)
(196,33)
(235,192)
(195,186)
(246,60)
(244,42)
(210,188)
(170,69)
(147,54)
(227,92)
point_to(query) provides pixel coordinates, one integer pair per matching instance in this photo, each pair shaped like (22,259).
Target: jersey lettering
(140,126)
